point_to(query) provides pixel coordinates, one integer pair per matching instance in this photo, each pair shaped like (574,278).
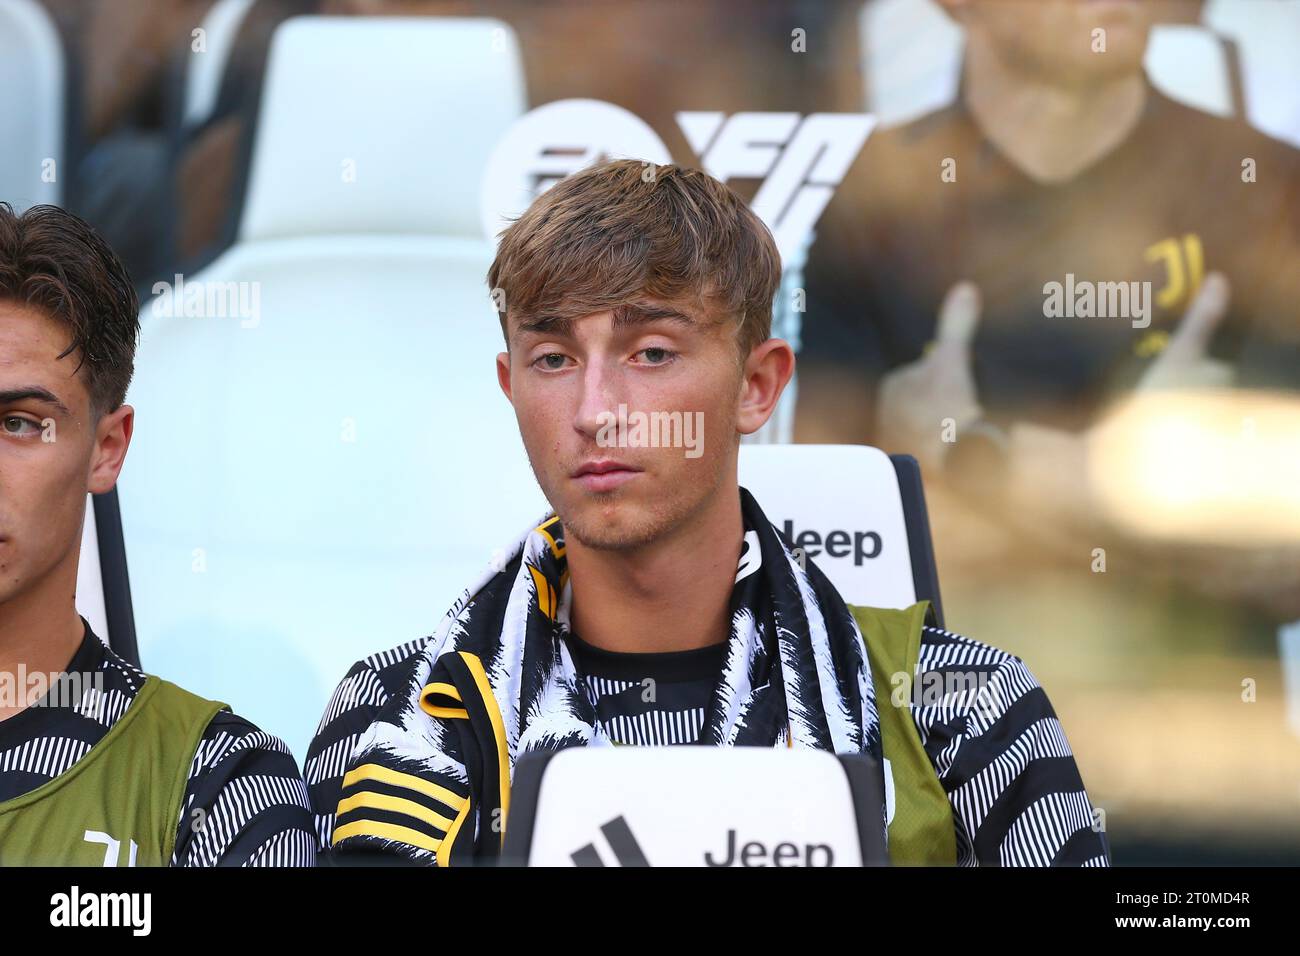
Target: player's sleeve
(245,803)
(1003,760)
(353,707)
(404,811)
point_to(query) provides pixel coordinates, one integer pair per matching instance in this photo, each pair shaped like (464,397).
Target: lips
(604,474)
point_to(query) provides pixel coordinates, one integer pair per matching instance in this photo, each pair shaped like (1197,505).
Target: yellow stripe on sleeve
(386,831)
(372,771)
(385,801)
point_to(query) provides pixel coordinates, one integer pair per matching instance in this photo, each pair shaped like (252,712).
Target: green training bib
(921,831)
(120,804)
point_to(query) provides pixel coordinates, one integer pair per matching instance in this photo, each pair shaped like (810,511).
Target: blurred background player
(929,331)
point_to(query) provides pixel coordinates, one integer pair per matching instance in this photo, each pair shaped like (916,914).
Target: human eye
(550,362)
(19,426)
(657,355)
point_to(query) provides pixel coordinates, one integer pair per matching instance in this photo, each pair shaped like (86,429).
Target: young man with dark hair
(651,287)
(111,766)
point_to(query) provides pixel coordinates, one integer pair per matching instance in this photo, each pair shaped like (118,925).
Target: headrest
(31,106)
(696,806)
(379,125)
(841,507)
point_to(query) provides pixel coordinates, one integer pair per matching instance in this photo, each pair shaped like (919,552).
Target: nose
(601,393)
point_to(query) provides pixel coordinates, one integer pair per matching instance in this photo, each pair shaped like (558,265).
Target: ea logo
(553,141)
(800,160)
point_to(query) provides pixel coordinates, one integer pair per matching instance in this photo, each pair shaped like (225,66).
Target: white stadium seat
(1265,35)
(855,512)
(205,68)
(911,56)
(31,106)
(358,133)
(747,806)
(317,473)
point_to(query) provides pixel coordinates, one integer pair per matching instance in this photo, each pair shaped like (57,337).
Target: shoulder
(230,738)
(121,686)
(970,685)
(359,697)
(225,736)
(905,158)
(944,648)
(1227,134)
(245,802)
(1002,757)
(956,685)
(980,711)
(120,677)
(369,683)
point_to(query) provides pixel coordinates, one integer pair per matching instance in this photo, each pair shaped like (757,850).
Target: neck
(1050,132)
(40,632)
(671,595)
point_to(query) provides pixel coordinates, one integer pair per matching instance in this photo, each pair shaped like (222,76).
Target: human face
(53,451)
(1053,40)
(567,382)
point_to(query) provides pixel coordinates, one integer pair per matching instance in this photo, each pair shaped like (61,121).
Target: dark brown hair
(54,261)
(623,229)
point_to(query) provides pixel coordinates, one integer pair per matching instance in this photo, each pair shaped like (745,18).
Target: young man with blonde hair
(651,287)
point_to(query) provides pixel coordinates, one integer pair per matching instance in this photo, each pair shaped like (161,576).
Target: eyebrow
(625,315)
(9,396)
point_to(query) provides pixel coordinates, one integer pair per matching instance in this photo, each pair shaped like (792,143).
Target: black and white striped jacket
(1010,776)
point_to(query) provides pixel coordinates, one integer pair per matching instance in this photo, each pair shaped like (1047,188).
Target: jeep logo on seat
(837,543)
(627,851)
